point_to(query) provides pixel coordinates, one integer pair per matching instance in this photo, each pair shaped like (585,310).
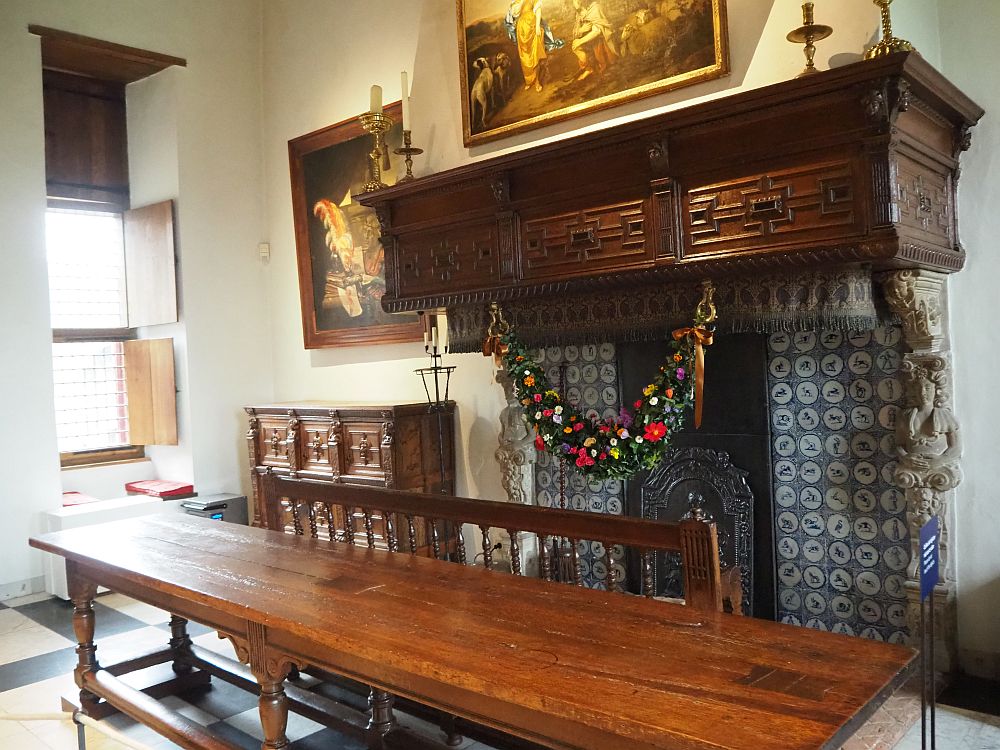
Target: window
(113,394)
(86,262)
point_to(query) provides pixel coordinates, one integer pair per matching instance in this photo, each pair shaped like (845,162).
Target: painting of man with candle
(340,258)
(527,63)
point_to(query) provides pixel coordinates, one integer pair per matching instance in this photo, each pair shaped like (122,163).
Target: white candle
(444,332)
(406,100)
(434,339)
(376,100)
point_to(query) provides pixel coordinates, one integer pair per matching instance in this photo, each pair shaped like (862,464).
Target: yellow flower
(529,381)
(567,429)
(525,401)
(649,390)
(589,441)
(614,452)
(552,394)
(678,357)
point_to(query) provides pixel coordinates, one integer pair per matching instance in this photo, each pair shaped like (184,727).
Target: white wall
(968,35)
(225,362)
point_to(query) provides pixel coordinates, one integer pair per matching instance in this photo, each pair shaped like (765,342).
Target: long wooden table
(557,665)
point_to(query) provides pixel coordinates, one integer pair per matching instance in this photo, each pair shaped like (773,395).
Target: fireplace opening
(727,463)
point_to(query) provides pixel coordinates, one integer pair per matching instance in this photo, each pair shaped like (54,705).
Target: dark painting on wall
(528,63)
(340,258)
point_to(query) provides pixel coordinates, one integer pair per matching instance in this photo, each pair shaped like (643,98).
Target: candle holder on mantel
(809,33)
(409,151)
(378,124)
(889,43)
(436,380)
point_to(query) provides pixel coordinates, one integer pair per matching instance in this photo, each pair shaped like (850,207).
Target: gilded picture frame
(340,259)
(524,64)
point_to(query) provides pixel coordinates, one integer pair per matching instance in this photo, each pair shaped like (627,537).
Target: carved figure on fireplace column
(516,455)
(928,439)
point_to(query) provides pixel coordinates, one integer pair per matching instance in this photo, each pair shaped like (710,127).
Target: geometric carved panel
(441,261)
(793,205)
(587,240)
(924,199)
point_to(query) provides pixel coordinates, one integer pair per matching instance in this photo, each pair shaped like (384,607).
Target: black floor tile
(56,614)
(3,606)
(36,668)
(326,739)
(220,699)
(972,694)
(234,735)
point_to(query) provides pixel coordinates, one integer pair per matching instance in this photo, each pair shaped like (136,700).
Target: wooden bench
(433,525)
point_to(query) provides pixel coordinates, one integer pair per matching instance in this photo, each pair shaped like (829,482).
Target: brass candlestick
(409,152)
(378,124)
(889,43)
(808,33)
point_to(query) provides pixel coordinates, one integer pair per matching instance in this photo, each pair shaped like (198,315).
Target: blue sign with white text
(929,538)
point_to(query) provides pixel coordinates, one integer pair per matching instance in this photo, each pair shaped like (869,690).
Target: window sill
(99,464)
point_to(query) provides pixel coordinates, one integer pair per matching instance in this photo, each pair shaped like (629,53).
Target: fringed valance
(842,299)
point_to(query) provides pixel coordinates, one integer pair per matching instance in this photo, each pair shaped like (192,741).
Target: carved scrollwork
(267,664)
(386,457)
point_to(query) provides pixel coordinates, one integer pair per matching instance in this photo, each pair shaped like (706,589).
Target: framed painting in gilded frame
(528,63)
(340,258)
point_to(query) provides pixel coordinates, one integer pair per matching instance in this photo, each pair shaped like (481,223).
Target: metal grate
(91,402)
(86,257)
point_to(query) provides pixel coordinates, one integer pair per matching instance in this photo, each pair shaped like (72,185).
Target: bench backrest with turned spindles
(432,524)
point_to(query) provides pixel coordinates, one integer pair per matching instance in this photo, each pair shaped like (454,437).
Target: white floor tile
(298,726)
(21,637)
(139,610)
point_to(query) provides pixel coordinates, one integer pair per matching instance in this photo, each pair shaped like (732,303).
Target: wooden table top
(566,667)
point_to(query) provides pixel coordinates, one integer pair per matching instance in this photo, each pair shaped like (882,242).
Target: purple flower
(680,373)
(625,418)
(557,418)
(565,448)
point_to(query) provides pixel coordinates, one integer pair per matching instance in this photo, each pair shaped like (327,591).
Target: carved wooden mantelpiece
(853,165)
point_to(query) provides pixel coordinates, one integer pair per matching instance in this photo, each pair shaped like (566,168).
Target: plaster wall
(968,34)
(206,156)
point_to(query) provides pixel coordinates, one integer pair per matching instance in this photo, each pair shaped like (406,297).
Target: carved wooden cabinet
(393,446)
(856,165)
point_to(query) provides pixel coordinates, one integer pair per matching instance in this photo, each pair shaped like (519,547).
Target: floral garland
(617,448)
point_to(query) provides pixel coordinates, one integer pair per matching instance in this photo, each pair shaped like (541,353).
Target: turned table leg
(381,719)
(273,706)
(82,593)
(180,643)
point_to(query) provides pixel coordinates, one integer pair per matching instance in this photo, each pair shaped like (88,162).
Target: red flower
(655,431)
(602,456)
(546,412)
(578,426)
(539,443)
(584,460)
(638,403)
(538,398)
(604,428)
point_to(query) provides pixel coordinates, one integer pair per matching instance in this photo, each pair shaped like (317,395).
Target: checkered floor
(37,658)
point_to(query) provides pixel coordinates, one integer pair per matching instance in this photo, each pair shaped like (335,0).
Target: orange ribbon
(493,346)
(701,337)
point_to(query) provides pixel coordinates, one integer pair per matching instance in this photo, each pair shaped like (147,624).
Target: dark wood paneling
(801,174)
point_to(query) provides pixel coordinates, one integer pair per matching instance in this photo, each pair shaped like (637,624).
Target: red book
(160,488)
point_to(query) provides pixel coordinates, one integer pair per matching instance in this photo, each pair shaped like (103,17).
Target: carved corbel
(291,442)
(884,102)
(658,152)
(916,296)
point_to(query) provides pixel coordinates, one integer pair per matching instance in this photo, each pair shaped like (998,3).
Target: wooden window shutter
(152,396)
(149,265)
